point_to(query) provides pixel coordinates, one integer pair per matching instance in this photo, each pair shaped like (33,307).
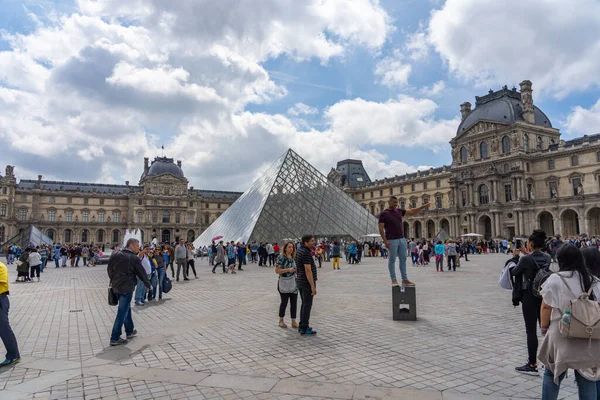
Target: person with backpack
(526,271)
(574,344)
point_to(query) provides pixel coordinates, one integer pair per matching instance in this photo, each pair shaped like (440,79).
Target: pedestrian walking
(220,258)
(140,290)
(451,253)
(124,269)
(439,256)
(336,253)
(6,333)
(160,273)
(181,259)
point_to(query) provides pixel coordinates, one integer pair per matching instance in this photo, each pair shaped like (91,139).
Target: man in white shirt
(140,290)
(271,253)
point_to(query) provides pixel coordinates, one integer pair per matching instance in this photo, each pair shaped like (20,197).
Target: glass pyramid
(291,199)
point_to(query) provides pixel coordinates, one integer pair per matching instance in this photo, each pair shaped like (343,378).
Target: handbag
(113,299)
(287,284)
(167,284)
(19,263)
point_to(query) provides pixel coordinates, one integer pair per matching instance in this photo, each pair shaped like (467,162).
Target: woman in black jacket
(525,271)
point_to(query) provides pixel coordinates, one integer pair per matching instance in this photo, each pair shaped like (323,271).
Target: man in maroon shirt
(391,229)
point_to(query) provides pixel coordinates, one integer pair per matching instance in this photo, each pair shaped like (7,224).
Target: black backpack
(535,287)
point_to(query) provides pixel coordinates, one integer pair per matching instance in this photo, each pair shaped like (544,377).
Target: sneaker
(132,334)
(8,362)
(185,279)
(407,283)
(160,297)
(308,331)
(118,342)
(139,303)
(528,369)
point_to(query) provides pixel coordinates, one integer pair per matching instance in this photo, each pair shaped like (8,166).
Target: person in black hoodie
(525,272)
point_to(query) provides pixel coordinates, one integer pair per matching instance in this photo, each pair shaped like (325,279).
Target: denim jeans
(161,276)
(11,258)
(588,390)
(397,249)
(64,260)
(56,260)
(6,333)
(44,260)
(123,317)
(152,292)
(77,262)
(140,290)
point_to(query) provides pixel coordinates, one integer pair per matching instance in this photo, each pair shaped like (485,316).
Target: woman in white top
(35,261)
(558,353)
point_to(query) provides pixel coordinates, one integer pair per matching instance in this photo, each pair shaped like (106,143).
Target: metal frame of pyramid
(291,199)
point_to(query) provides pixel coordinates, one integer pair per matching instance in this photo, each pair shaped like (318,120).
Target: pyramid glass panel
(288,201)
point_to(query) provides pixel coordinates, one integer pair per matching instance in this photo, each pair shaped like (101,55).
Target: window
(117,202)
(508,192)
(51,216)
(22,214)
(116,236)
(4,190)
(3,210)
(401,189)
(484,197)
(2,229)
(526,143)
(402,205)
(530,191)
(576,182)
(371,194)
(206,205)
(166,217)
(539,144)
(50,234)
(483,149)
(463,154)
(372,209)
(438,201)
(178,203)
(362,196)
(413,203)
(191,204)
(425,199)
(154,217)
(177,218)
(190,218)
(100,216)
(115,216)
(219,204)
(100,236)
(167,191)
(139,202)
(101,202)
(84,236)
(155,202)
(69,216)
(597,157)
(206,218)
(23,197)
(424,185)
(412,187)
(391,191)
(553,189)
(438,183)
(85,200)
(505,145)
(69,200)
(550,164)
(52,199)
(527,167)
(68,235)
(140,216)
(463,196)
(85,217)
(574,161)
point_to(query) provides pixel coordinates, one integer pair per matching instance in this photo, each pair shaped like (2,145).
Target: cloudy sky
(90,87)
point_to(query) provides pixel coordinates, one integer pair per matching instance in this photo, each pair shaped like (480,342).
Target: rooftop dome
(502,106)
(163,165)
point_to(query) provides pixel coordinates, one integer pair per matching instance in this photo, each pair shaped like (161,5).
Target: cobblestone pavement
(216,337)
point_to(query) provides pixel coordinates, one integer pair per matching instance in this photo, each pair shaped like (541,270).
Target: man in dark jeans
(306,280)
(124,268)
(6,333)
(525,271)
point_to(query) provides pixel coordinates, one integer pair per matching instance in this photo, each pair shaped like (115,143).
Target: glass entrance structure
(291,199)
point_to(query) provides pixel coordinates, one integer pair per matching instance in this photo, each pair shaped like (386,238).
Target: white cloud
(583,120)
(553,43)
(393,71)
(302,109)
(416,46)
(434,90)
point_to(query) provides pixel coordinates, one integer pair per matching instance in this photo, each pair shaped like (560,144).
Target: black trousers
(453,259)
(262,260)
(271,259)
(191,263)
(172,269)
(240,262)
(35,270)
(293,298)
(305,293)
(531,315)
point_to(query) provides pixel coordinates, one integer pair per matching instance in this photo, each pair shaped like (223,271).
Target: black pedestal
(404,302)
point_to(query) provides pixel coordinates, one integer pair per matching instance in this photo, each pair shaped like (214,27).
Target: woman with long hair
(558,353)
(286,268)
(591,255)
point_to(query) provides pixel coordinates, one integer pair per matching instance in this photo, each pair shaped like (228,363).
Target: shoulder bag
(287,284)
(113,299)
(585,317)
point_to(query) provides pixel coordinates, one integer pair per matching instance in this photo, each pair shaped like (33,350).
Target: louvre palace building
(511,173)
(162,206)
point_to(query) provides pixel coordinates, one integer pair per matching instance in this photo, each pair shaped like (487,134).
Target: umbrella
(217,238)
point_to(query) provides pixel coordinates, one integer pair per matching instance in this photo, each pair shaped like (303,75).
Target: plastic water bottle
(567,317)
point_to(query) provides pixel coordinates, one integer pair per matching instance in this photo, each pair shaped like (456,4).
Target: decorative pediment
(576,175)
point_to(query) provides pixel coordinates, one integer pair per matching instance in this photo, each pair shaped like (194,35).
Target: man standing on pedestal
(391,229)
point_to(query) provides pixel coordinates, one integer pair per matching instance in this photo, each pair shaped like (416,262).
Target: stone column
(492,191)
(498,225)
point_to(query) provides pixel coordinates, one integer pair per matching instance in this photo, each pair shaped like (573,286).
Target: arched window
(505,145)
(463,154)
(526,142)
(2,234)
(483,149)
(166,217)
(100,236)
(68,235)
(116,236)
(84,236)
(484,197)
(539,143)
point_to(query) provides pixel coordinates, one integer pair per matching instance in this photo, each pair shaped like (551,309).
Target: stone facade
(510,173)
(162,206)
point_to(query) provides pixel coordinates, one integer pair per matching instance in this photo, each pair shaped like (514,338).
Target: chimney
(465,109)
(146,167)
(126,183)
(179,163)
(527,101)
(39,178)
